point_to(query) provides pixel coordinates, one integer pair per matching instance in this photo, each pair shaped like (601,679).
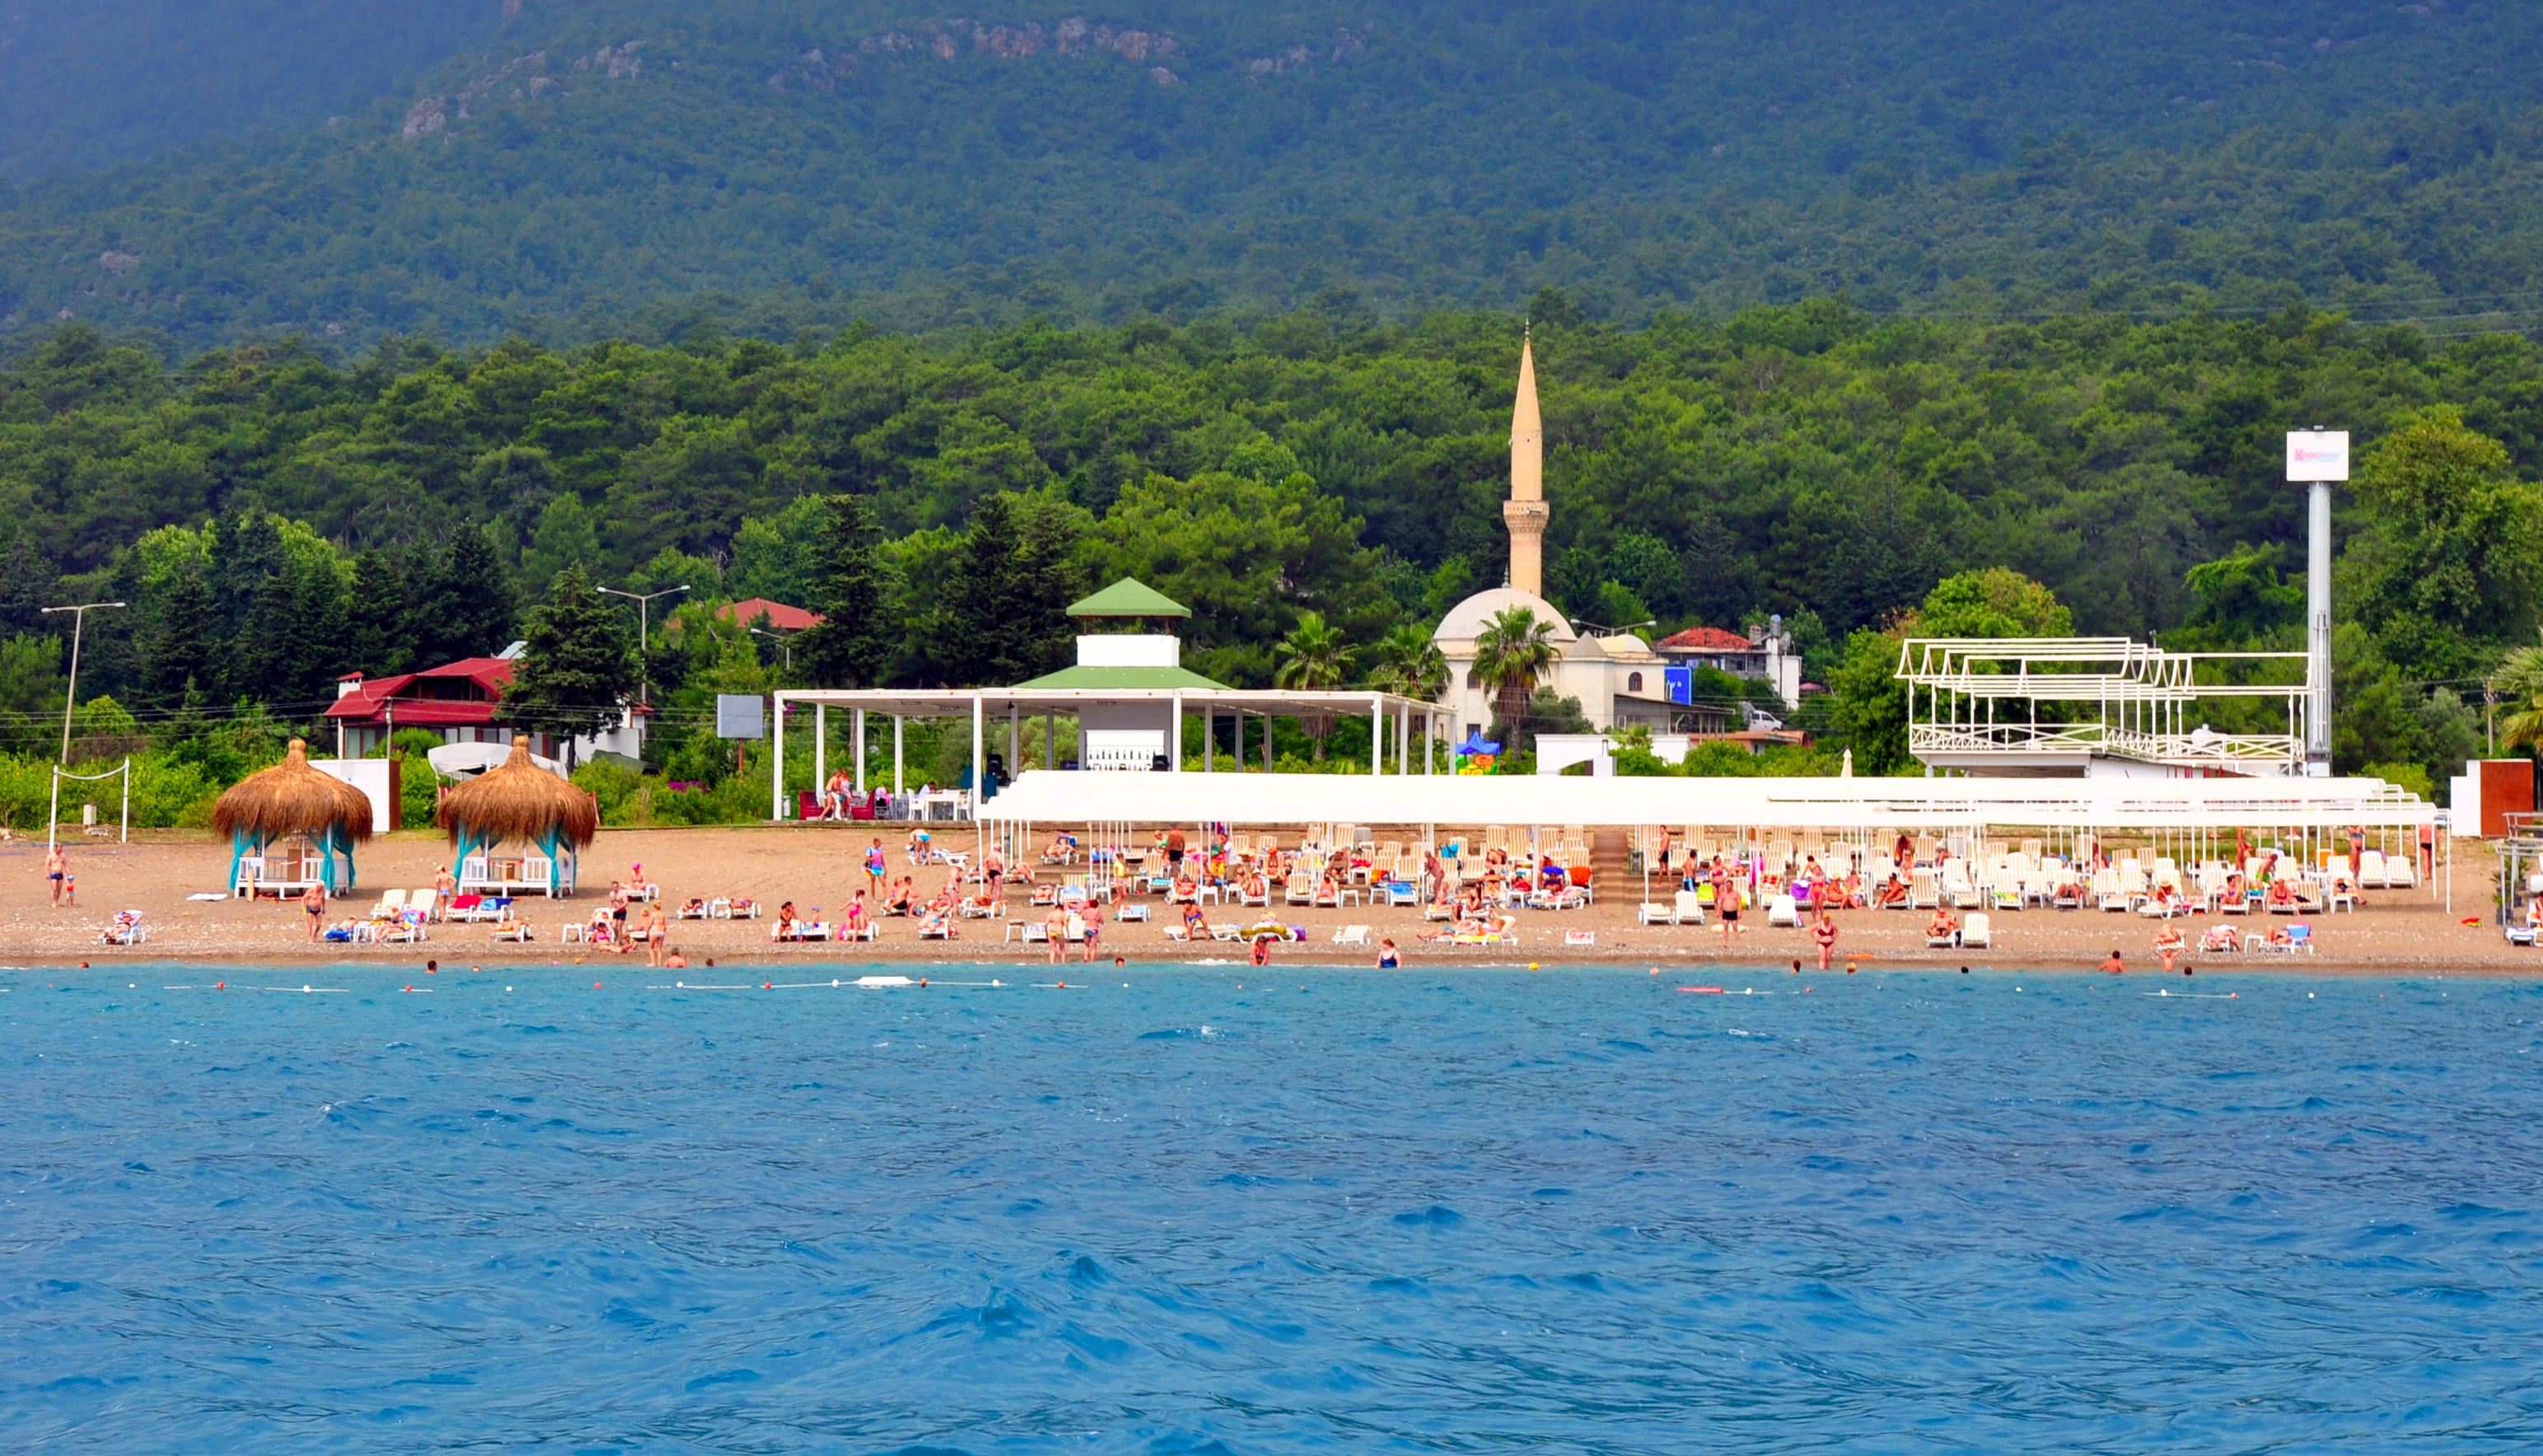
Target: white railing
(2186,750)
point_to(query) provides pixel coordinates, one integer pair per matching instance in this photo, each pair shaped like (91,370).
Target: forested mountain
(610,166)
(1815,460)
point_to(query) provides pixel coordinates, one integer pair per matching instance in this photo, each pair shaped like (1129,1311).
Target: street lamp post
(70,695)
(784,640)
(1578,624)
(644,601)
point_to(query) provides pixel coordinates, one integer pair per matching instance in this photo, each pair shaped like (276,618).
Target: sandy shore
(2396,932)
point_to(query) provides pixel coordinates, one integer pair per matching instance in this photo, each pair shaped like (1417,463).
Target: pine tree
(577,665)
(461,602)
(377,618)
(975,635)
(29,583)
(177,641)
(246,552)
(850,646)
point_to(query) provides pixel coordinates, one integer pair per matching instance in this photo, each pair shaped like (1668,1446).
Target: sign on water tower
(2318,459)
(2317,455)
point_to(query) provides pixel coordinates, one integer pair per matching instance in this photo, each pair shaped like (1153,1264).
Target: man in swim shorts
(314,900)
(54,869)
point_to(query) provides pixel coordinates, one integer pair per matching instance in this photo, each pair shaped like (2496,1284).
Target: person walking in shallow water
(1825,934)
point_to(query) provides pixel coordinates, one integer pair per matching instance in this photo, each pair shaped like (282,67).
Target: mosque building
(1619,681)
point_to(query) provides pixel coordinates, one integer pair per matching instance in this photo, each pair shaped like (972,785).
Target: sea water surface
(1217,1209)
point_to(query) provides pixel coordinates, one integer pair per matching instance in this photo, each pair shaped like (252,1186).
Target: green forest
(573,170)
(274,518)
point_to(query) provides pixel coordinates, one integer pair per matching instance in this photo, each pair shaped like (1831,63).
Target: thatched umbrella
(292,798)
(519,800)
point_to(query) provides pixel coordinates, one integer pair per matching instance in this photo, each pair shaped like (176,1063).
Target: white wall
(370,774)
(1117,650)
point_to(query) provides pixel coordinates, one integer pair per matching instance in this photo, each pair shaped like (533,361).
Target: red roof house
(781,617)
(456,700)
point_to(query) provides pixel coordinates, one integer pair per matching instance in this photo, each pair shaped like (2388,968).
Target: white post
(1208,737)
(979,748)
(1174,737)
(897,721)
(821,748)
(123,832)
(777,757)
(1377,735)
(2318,458)
(861,750)
(1015,736)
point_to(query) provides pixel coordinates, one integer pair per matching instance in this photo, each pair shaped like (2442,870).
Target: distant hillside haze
(85,83)
(564,169)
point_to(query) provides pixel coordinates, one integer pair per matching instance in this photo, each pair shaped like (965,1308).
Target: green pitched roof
(1122,678)
(1129,598)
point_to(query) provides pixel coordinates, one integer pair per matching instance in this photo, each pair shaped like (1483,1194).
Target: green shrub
(613,784)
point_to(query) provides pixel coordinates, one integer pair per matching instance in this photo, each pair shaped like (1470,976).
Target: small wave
(1436,1217)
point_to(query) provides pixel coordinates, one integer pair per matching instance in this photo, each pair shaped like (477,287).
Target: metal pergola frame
(1391,723)
(2143,701)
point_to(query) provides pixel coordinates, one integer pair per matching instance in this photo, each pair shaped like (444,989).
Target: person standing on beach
(1174,851)
(1825,934)
(314,900)
(1093,920)
(1055,931)
(55,866)
(874,868)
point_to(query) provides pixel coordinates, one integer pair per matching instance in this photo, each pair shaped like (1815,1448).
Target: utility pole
(70,695)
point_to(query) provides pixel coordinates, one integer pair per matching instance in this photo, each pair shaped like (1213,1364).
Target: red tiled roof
(369,703)
(779,616)
(1705,639)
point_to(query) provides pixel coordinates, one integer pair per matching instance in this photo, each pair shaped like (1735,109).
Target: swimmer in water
(2113,966)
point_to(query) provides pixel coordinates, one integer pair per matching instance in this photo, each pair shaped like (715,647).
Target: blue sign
(1681,684)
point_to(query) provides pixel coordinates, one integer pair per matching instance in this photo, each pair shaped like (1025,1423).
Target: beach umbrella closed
(294,800)
(519,800)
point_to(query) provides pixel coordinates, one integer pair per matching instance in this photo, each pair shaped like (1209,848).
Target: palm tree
(1407,663)
(2518,682)
(1512,651)
(1312,659)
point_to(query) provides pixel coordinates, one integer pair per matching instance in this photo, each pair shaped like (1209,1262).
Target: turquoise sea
(1210,1211)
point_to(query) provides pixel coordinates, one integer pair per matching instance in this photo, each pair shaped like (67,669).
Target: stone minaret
(1524,512)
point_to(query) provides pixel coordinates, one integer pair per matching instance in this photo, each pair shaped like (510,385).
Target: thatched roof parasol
(519,800)
(291,798)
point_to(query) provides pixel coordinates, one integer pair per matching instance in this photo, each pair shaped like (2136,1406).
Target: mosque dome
(1467,619)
